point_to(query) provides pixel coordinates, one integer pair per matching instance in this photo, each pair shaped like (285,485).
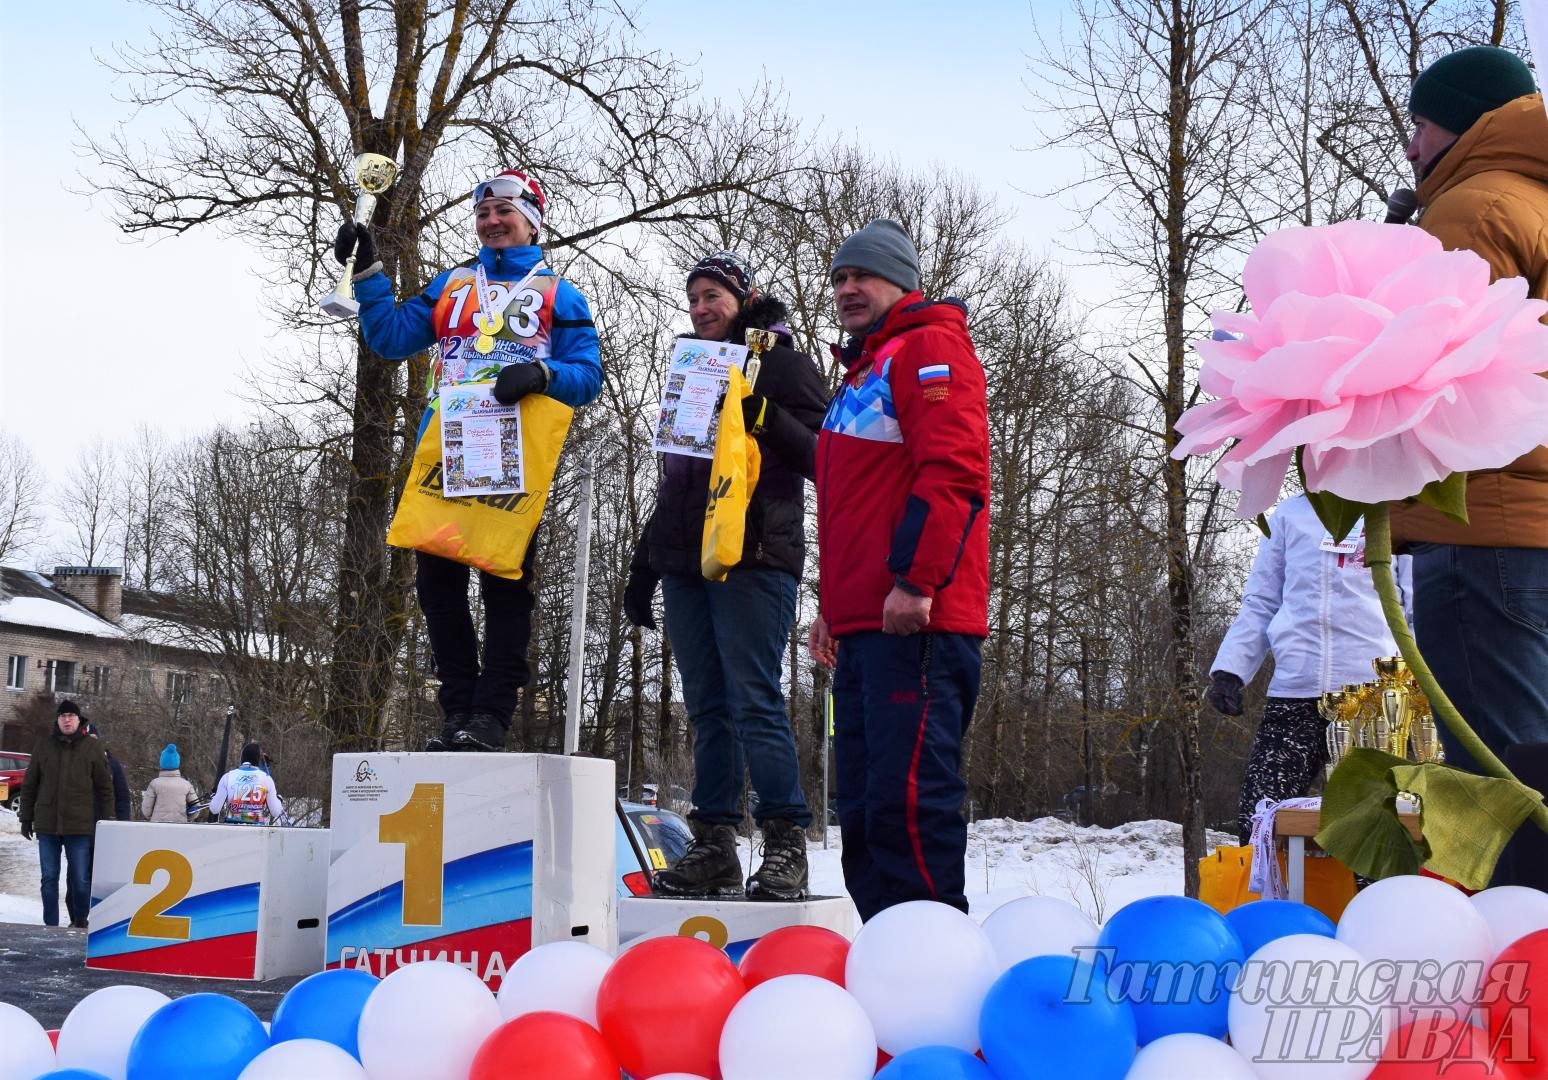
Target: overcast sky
(100,332)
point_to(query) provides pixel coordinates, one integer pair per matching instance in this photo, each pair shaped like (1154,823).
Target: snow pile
(1098,870)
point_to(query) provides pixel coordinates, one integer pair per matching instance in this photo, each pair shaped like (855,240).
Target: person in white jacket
(1310,602)
(170,797)
(246,795)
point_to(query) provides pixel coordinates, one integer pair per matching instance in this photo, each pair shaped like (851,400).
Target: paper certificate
(480,442)
(695,381)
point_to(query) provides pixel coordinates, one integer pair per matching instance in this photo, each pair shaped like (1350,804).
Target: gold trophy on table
(1390,714)
(374,174)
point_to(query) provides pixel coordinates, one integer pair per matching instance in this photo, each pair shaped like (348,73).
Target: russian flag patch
(933,374)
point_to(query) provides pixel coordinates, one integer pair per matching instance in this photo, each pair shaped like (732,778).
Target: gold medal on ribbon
(488,326)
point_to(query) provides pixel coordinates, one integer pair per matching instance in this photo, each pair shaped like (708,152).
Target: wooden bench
(1299,827)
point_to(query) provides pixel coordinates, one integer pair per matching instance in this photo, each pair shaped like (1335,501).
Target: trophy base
(339,306)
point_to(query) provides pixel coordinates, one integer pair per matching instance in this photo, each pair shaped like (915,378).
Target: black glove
(26,828)
(516,381)
(357,238)
(1225,693)
(639,595)
(757,413)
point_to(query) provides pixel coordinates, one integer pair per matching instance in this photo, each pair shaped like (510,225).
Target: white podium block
(216,901)
(732,925)
(471,858)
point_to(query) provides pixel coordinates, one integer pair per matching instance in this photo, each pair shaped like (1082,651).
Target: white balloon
(561,977)
(1037,926)
(97,1033)
(1412,920)
(426,1019)
(1296,1000)
(797,1025)
(1512,912)
(1189,1057)
(921,970)
(311,1058)
(25,1049)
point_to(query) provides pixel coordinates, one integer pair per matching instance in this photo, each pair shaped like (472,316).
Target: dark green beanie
(1458,89)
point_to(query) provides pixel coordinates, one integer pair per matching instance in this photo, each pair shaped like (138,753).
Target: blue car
(649,839)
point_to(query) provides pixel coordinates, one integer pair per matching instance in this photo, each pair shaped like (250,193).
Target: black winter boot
(446,740)
(783,873)
(483,732)
(709,867)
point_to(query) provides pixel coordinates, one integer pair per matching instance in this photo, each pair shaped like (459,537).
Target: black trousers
(1288,752)
(466,685)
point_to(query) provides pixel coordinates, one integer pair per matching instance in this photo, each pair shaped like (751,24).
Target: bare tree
(145,506)
(21,500)
(1158,95)
(272,98)
(88,503)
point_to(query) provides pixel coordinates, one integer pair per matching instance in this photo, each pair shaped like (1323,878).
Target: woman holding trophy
(728,636)
(506,316)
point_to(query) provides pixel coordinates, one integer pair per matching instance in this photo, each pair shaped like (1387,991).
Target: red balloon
(544,1046)
(796,950)
(662,1004)
(1431,1046)
(53,1037)
(1515,996)
(882,1057)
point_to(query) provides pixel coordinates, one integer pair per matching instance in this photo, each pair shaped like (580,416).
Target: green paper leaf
(1449,496)
(1337,514)
(1467,818)
(1261,521)
(1360,827)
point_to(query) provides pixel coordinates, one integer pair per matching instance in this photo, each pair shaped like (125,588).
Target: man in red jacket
(903,538)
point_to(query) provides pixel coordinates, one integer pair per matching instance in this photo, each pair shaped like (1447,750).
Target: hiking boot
(482,732)
(709,867)
(782,875)
(447,739)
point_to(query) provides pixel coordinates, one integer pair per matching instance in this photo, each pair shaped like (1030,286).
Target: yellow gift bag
(733,476)
(1225,872)
(490,532)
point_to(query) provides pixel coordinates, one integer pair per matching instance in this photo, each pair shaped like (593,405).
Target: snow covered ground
(1099,870)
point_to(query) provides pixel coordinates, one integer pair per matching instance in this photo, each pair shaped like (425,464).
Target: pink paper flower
(1392,361)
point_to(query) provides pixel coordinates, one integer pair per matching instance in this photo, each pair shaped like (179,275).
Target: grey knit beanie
(883,248)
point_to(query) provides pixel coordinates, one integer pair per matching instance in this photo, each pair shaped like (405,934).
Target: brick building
(118,652)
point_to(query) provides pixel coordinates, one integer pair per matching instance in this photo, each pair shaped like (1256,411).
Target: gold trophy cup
(758,341)
(374,174)
(1332,707)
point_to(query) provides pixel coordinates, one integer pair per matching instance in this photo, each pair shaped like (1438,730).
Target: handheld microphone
(1401,205)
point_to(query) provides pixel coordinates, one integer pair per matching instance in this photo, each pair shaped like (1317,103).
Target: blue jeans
(728,638)
(901,705)
(1481,620)
(77,849)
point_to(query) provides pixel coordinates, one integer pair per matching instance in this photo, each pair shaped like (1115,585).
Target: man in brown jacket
(1480,155)
(67,787)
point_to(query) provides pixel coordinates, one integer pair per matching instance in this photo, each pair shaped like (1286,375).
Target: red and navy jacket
(903,474)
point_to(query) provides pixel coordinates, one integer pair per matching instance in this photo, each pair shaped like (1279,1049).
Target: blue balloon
(198,1037)
(72,1074)
(1055,1016)
(325,1006)
(1263,921)
(935,1063)
(1174,960)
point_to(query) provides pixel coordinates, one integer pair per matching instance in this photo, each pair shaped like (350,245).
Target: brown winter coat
(169,798)
(1489,194)
(67,786)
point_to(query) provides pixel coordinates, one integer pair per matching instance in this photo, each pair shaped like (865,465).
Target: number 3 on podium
(418,825)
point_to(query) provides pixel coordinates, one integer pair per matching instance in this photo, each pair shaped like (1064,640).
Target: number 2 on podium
(417,825)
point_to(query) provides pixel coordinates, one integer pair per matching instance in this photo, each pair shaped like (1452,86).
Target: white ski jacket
(1312,604)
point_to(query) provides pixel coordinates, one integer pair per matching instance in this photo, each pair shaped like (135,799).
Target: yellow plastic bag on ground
(1225,872)
(733,476)
(490,532)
